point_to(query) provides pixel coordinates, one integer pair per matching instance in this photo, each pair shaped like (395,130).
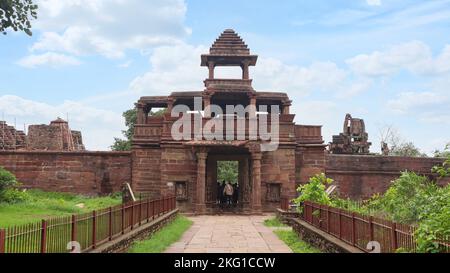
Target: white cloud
(51,59)
(177,68)
(99,127)
(374,2)
(407,101)
(414,56)
(108,27)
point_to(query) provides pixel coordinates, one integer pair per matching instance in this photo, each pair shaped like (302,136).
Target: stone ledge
(123,242)
(321,239)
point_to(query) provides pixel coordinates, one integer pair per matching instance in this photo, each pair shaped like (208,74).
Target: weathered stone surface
(78,172)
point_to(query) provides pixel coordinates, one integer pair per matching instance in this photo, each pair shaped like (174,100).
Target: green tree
(130,117)
(17,14)
(228,171)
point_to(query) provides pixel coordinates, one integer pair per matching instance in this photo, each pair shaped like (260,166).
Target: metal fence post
(371,234)
(353,229)
(110,223)
(2,240)
(340,223)
(132,215)
(328,218)
(94,229)
(140,211)
(74,230)
(153,210)
(148,210)
(394,236)
(123,218)
(43,236)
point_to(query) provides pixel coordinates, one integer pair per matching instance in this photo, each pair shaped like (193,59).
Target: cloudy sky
(385,61)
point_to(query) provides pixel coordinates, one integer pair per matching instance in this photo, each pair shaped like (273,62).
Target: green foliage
(228,171)
(314,191)
(35,205)
(130,117)
(444,169)
(294,242)
(8,188)
(407,200)
(406,149)
(16,14)
(7,180)
(274,222)
(162,239)
(411,199)
(13,196)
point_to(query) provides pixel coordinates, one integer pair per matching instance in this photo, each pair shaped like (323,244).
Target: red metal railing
(284,203)
(358,230)
(90,230)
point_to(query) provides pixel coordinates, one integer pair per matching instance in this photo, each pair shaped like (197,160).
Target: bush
(314,191)
(8,188)
(7,180)
(13,196)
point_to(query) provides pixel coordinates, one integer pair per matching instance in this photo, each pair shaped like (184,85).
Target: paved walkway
(229,234)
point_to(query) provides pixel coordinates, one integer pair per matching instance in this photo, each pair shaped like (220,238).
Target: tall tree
(17,14)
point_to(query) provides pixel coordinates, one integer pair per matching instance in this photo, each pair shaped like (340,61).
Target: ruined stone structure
(10,138)
(162,165)
(56,136)
(353,139)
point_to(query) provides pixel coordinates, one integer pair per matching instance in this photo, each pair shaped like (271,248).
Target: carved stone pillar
(256,182)
(201,181)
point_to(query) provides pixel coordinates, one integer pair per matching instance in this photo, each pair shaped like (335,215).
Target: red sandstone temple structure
(162,165)
(52,157)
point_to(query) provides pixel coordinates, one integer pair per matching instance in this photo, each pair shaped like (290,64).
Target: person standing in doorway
(228,192)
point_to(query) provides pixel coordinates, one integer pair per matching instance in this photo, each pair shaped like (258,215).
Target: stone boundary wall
(90,173)
(361,176)
(124,242)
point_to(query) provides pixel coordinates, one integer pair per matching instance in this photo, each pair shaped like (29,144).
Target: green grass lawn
(290,238)
(42,204)
(163,238)
(274,222)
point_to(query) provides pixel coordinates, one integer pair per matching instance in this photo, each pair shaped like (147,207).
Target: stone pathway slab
(229,234)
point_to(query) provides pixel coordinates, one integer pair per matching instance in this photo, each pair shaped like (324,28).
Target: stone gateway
(188,167)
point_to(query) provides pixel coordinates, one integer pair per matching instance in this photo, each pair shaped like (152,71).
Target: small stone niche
(181,191)
(273,192)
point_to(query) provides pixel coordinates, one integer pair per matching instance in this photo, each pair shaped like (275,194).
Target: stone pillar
(141,118)
(211,67)
(256,182)
(206,104)
(286,108)
(245,72)
(201,181)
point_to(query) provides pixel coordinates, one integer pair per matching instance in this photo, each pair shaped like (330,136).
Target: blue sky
(385,61)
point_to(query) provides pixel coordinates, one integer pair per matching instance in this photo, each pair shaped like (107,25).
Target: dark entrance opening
(232,168)
(228,184)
